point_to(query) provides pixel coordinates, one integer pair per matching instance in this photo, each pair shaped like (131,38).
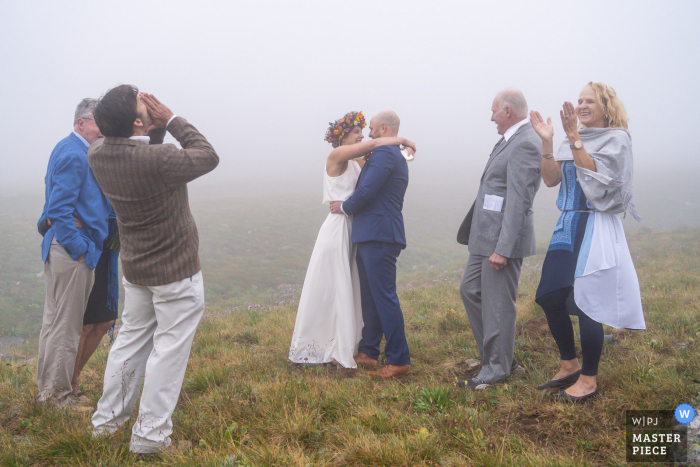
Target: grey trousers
(489,299)
(68,286)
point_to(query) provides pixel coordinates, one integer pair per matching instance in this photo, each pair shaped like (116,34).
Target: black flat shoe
(564,397)
(561,383)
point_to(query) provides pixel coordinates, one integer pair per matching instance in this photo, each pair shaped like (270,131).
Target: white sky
(262,79)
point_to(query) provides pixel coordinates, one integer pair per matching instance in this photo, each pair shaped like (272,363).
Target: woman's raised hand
(545,130)
(569,120)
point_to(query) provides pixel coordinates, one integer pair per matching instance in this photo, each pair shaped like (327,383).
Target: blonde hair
(615,113)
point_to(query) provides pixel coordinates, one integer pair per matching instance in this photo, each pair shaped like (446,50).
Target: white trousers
(152,347)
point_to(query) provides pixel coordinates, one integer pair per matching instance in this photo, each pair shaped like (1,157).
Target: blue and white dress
(589,251)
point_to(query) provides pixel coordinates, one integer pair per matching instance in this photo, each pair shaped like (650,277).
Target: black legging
(557,306)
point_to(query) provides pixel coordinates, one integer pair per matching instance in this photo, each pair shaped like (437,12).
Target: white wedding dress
(329,319)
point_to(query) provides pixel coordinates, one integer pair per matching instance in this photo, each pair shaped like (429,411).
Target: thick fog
(262,79)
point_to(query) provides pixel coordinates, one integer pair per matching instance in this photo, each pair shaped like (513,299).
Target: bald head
(508,108)
(515,100)
(384,123)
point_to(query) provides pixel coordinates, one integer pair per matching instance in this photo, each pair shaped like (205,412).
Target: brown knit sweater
(147,186)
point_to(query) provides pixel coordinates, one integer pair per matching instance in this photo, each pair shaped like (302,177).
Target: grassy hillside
(242,403)
(254,237)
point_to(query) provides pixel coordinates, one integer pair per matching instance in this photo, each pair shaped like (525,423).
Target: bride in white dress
(329,318)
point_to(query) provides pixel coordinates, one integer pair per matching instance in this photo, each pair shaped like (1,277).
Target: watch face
(578,144)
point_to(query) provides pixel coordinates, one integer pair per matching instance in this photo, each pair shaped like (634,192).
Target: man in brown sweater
(146,182)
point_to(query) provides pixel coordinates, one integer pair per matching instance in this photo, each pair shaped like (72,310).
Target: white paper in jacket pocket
(493,203)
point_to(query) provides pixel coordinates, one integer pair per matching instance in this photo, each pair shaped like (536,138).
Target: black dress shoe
(475,384)
(515,367)
(564,397)
(561,383)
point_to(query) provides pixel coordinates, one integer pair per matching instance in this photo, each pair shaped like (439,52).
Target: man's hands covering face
(159,113)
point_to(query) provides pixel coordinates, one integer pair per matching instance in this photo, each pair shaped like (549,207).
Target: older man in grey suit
(499,230)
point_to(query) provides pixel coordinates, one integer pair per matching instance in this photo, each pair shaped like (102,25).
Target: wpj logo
(685,413)
(645,421)
(657,436)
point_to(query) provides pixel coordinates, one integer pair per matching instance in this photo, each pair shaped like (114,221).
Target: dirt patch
(327,369)
(343,373)
(536,427)
(530,426)
(620,334)
(262,350)
(665,350)
(247,338)
(451,325)
(537,349)
(461,370)
(534,328)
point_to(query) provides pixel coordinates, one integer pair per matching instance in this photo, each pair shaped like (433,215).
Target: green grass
(254,238)
(243,404)
(249,247)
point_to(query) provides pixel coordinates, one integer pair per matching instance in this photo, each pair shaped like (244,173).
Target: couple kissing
(349,301)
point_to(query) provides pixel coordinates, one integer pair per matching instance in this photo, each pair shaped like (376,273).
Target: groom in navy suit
(378,231)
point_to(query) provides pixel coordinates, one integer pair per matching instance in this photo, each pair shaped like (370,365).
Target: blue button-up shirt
(72,191)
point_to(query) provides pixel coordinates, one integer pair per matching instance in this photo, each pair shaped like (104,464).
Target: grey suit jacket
(512,173)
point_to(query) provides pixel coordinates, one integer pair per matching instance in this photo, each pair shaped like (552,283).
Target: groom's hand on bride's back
(335,207)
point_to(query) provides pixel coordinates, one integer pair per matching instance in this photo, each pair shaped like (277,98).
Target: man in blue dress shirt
(77,212)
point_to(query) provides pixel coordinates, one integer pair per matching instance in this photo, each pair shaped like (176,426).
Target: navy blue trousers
(381,311)
(557,306)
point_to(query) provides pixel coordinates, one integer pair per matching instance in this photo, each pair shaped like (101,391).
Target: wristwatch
(577,145)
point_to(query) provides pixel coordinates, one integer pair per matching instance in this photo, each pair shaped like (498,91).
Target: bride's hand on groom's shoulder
(408,144)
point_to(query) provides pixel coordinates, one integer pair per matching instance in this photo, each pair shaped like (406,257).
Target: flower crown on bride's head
(337,131)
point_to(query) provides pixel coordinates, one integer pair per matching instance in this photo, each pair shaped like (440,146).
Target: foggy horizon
(262,80)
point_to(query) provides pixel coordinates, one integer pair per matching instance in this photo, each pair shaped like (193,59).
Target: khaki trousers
(68,286)
(152,349)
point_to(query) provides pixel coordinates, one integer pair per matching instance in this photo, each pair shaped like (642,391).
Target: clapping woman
(588,271)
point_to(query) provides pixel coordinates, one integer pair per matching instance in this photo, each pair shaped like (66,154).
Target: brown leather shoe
(365,360)
(392,371)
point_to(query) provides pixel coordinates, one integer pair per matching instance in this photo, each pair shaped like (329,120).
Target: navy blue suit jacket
(378,199)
